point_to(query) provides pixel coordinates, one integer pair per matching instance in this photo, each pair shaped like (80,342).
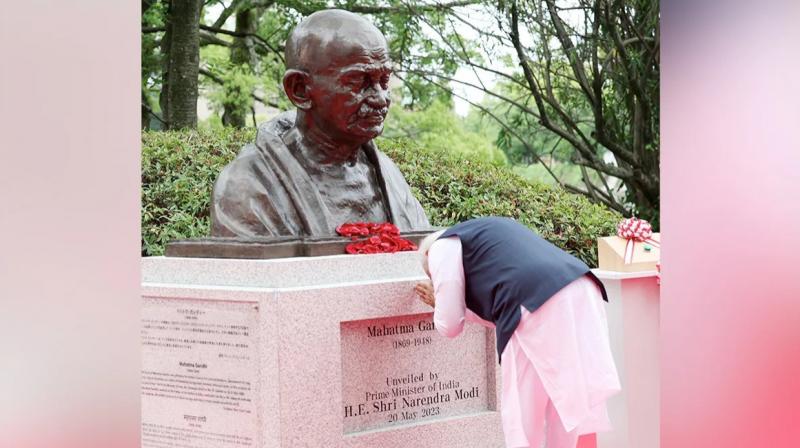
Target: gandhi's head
(337,75)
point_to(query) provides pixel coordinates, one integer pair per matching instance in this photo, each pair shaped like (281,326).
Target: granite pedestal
(331,351)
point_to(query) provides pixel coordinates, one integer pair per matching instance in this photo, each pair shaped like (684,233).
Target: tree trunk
(242,54)
(181,47)
(166,39)
(145,112)
(146,4)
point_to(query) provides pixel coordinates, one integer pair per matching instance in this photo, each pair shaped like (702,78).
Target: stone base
(332,351)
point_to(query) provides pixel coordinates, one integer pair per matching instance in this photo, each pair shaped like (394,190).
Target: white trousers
(558,371)
(541,426)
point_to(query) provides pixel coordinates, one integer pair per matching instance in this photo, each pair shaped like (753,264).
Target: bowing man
(547,310)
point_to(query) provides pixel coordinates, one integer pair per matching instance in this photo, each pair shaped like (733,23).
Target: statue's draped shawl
(265,191)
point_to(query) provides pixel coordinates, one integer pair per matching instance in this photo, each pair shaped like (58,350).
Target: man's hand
(425,292)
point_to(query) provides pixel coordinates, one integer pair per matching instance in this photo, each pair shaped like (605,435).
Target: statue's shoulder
(395,180)
(376,154)
(244,161)
(237,176)
(268,135)
(386,163)
(250,171)
(277,125)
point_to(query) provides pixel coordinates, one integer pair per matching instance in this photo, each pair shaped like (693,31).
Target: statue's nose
(379,97)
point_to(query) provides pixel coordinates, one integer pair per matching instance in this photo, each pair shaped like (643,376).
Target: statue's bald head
(322,36)
(337,74)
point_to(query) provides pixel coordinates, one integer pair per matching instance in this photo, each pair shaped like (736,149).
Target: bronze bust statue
(311,170)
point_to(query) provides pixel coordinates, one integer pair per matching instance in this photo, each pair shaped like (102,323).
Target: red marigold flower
(352,229)
(388,228)
(383,237)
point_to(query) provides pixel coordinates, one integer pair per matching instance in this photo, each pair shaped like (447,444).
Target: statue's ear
(297,85)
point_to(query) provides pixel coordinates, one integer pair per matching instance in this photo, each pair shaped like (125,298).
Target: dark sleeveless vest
(507,265)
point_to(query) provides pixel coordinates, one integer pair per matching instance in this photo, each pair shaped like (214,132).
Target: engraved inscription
(399,370)
(198,374)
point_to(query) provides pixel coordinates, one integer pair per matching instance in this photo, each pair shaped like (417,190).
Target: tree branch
(570,50)
(501,123)
(522,107)
(226,13)
(255,36)
(622,51)
(613,205)
(207,38)
(151,112)
(496,72)
(606,168)
(537,94)
(600,127)
(550,97)
(478,30)
(364,9)
(595,191)
(220,81)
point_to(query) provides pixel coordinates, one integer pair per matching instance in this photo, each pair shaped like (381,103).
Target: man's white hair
(425,245)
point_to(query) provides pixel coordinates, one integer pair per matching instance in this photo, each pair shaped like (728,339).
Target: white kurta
(557,368)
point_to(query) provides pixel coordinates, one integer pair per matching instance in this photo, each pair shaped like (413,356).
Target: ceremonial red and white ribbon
(635,230)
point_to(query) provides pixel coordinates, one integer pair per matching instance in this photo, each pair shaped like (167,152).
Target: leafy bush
(439,128)
(179,169)
(453,189)
(178,172)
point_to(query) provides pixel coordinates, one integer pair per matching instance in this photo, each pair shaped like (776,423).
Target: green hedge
(179,169)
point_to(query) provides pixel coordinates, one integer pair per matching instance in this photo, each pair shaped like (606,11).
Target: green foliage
(453,189)
(566,173)
(438,128)
(236,90)
(178,172)
(541,143)
(179,169)
(212,124)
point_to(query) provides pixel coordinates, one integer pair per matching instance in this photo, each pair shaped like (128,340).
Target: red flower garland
(381,237)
